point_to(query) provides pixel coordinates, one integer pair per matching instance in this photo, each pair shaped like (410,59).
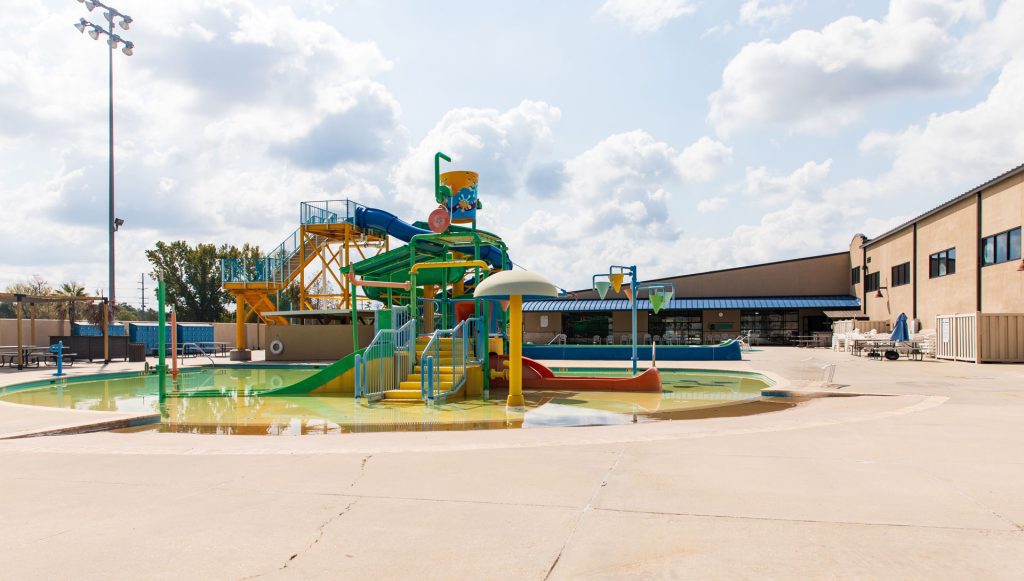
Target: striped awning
(695,304)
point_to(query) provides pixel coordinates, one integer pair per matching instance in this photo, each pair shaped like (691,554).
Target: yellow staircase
(409,390)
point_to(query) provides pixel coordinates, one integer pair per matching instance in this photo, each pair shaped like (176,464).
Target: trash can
(136,352)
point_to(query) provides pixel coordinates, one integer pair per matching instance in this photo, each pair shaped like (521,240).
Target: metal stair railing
(386,361)
(463,340)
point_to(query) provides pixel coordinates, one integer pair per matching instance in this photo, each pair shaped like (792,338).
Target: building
(963,256)
(777,302)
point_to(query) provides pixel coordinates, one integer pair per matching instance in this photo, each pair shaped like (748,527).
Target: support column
(106,332)
(32,327)
(241,353)
(515,352)
(21,342)
(429,292)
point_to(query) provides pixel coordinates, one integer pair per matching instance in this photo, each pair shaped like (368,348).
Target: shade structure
(900,331)
(515,282)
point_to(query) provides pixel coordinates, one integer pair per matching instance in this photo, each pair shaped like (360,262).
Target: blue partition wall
(727,351)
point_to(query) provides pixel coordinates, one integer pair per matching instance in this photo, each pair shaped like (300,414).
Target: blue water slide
(394,226)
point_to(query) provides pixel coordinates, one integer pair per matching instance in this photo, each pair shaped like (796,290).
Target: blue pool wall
(729,351)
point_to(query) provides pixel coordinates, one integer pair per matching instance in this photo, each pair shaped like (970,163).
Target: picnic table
(31,354)
(880,348)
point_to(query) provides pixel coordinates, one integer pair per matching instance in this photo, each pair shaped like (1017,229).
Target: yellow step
(441,376)
(409,385)
(410,395)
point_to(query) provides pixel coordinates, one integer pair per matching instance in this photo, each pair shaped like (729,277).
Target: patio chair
(597,340)
(610,340)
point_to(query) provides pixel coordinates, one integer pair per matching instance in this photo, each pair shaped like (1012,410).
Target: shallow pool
(242,410)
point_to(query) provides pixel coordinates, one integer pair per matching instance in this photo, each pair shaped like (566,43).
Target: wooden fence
(980,337)
(850,325)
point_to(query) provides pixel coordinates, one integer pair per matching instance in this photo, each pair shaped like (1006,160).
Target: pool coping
(779,388)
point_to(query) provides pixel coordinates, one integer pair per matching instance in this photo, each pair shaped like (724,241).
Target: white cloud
(818,80)
(212,113)
(645,16)
(712,204)
(773,189)
(501,146)
(753,13)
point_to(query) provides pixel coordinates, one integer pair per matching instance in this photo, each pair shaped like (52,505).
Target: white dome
(515,282)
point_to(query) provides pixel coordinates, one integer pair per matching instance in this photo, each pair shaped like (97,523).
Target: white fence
(956,337)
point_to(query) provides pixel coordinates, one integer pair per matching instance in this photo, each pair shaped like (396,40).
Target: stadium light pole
(112,16)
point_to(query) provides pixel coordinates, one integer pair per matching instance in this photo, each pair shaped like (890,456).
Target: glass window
(1001,247)
(942,263)
(901,274)
(855,275)
(583,327)
(676,326)
(988,251)
(871,281)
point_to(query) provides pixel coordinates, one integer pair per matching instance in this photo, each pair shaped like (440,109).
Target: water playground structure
(449,316)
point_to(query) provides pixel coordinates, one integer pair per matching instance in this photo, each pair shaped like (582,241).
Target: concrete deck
(923,480)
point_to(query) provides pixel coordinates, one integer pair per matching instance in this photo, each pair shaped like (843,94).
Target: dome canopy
(515,282)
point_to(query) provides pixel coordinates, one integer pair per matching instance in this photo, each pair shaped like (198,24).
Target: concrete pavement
(922,480)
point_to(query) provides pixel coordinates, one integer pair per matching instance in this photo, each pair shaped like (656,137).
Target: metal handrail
(463,355)
(558,339)
(388,355)
(198,349)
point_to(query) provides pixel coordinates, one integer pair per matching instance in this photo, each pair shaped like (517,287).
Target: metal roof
(801,302)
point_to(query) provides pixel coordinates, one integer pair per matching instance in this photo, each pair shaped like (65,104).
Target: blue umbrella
(900,332)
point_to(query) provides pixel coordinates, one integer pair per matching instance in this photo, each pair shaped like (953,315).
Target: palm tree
(70,307)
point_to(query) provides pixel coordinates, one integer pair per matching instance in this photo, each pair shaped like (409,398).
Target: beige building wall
(897,249)
(828,274)
(952,227)
(1002,209)
(315,342)
(622,323)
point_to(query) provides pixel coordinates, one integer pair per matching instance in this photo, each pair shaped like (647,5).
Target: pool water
(242,410)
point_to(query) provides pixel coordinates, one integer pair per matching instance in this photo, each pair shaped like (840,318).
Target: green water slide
(302,387)
(393,266)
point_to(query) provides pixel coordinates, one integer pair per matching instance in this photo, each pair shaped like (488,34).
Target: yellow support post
(240,324)
(241,353)
(515,352)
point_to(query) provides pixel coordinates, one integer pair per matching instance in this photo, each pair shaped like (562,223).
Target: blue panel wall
(729,351)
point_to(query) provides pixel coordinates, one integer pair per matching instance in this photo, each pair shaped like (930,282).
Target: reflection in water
(242,410)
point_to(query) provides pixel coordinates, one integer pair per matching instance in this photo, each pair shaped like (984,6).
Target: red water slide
(538,376)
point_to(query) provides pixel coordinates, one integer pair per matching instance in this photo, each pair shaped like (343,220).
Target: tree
(192,276)
(70,308)
(36,286)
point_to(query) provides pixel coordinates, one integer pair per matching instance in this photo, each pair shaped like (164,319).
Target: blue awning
(832,302)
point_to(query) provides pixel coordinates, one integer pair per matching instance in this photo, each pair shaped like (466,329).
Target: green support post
(355,320)
(161,367)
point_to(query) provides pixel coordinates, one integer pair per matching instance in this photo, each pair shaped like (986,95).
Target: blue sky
(680,135)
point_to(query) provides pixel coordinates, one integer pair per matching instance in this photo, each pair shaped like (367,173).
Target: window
(774,327)
(1001,247)
(871,281)
(901,274)
(583,327)
(942,263)
(855,275)
(676,326)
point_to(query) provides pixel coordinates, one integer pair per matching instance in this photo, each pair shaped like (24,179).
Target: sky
(677,135)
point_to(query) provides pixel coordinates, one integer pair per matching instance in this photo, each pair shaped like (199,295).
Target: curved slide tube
(536,375)
(394,226)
